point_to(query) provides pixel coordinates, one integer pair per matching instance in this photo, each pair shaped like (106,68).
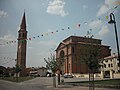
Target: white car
(68,76)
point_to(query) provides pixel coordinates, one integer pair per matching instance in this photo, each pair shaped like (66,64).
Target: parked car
(68,76)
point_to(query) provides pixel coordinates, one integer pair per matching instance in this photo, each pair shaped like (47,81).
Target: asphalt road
(41,83)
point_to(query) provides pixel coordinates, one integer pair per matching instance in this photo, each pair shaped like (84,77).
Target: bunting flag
(68,27)
(8,60)
(8,42)
(118,2)
(85,23)
(52,32)
(78,25)
(115,7)
(90,29)
(29,38)
(99,18)
(107,17)
(34,37)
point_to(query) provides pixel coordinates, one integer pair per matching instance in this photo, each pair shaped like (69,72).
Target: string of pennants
(54,32)
(78,25)
(42,35)
(9,42)
(9,59)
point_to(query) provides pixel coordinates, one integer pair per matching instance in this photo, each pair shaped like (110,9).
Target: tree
(52,65)
(17,70)
(89,54)
(2,70)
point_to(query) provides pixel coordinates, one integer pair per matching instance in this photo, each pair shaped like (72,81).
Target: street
(41,83)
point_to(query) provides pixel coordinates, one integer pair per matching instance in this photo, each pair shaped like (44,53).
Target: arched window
(19,34)
(73,49)
(62,56)
(23,35)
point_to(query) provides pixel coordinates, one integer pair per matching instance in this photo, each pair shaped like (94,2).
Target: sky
(51,21)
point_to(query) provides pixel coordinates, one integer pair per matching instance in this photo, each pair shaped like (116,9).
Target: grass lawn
(108,82)
(104,82)
(13,79)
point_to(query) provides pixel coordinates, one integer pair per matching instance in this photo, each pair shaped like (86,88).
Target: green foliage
(104,82)
(17,69)
(51,63)
(89,55)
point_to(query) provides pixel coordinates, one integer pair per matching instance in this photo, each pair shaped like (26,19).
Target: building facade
(40,71)
(68,52)
(21,50)
(109,66)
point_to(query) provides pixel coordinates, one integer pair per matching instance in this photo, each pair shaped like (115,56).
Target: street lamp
(112,21)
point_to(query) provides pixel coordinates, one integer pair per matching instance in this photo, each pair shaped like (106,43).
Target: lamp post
(112,21)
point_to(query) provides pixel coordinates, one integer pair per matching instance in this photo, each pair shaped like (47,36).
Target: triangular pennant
(78,25)
(52,32)
(34,37)
(29,38)
(107,17)
(115,7)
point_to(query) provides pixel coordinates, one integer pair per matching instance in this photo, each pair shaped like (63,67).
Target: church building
(69,50)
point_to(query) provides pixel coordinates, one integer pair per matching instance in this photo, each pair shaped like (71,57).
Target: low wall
(116,75)
(97,75)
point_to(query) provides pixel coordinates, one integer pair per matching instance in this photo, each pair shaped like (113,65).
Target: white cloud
(104,30)
(95,24)
(108,4)
(3,13)
(56,7)
(103,9)
(8,37)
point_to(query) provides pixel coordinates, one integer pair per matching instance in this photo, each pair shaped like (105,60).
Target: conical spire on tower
(23,23)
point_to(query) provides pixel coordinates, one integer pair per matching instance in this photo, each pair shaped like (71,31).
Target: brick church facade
(68,52)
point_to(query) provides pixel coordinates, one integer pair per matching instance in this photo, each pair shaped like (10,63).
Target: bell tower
(21,49)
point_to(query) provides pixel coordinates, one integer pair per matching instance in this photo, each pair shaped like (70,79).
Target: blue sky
(45,17)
